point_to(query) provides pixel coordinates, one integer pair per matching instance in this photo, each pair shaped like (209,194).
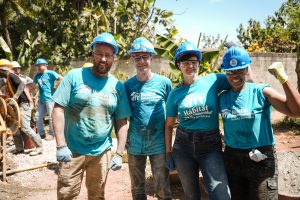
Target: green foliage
(167,47)
(61,30)
(121,76)
(280,34)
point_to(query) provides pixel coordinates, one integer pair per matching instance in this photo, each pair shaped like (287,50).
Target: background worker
(47,81)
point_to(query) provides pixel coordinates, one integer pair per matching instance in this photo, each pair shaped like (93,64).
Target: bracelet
(119,154)
(61,146)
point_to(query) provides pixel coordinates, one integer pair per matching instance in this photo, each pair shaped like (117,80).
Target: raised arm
(288,104)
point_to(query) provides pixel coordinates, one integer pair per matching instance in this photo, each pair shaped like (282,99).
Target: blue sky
(216,16)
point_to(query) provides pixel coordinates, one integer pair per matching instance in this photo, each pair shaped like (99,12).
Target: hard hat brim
(235,68)
(197,53)
(116,49)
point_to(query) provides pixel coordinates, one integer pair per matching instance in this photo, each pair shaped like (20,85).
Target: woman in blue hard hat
(197,144)
(250,157)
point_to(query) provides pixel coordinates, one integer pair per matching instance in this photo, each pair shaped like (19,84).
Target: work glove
(116,162)
(170,164)
(277,70)
(256,155)
(63,154)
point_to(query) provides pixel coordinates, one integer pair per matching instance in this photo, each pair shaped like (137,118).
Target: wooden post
(4,157)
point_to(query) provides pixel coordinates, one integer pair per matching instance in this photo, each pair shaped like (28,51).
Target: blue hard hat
(187,47)
(141,44)
(105,38)
(40,61)
(235,58)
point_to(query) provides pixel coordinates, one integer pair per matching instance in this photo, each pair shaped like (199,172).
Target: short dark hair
(185,57)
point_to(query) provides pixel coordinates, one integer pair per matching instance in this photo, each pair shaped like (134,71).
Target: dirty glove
(63,154)
(116,162)
(256,155)
(277,70)
(170,164)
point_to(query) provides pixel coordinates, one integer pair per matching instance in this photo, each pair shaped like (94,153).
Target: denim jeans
(194,151)
(43,109)
(25,110)
(137,166)
(70,176)
(252,180)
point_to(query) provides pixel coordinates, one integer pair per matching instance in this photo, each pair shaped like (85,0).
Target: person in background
(15,89)
(147,94)
(197,145)
(88,102)
(47,81)
(250,157)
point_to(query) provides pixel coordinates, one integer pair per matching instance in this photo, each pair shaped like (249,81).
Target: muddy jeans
(194,151)
(71,174)
(25,110)
(249,179)
(137,167)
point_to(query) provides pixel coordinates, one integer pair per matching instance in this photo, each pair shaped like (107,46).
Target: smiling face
(103,57)
(237,78)
(142,61)
(189,67)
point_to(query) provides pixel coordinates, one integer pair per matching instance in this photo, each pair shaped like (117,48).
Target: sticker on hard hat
(137,46)
(233,62)
(189,47)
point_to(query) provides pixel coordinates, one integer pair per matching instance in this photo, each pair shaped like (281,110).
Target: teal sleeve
(172,110)
(222,82)
(261,95)
(63,92)
(168,87)
(123,110)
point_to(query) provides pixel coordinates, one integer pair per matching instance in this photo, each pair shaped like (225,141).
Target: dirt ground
(43,185)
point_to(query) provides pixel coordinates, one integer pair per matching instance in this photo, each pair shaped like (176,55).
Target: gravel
(25,160)
(289,173)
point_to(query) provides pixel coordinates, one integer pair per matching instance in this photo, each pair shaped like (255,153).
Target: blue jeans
(43,109)
(194,151)
(137,166)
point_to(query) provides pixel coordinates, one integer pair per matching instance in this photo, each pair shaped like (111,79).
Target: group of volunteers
(22,89)
(90,102)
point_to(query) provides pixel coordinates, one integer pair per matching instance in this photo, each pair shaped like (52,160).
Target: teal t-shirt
(246,117)
(196,104)
(46,82)
(92,104)
(148,106)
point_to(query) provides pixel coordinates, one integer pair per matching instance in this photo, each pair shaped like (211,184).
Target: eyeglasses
(188,63)
(101,55)
(139,58)
(237,72)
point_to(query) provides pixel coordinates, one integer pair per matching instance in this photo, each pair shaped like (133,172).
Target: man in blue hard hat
(47,81)
(147,94)
(88,102)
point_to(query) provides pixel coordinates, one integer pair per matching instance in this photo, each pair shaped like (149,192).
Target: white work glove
(116,162)
(256,155)
(277,69)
